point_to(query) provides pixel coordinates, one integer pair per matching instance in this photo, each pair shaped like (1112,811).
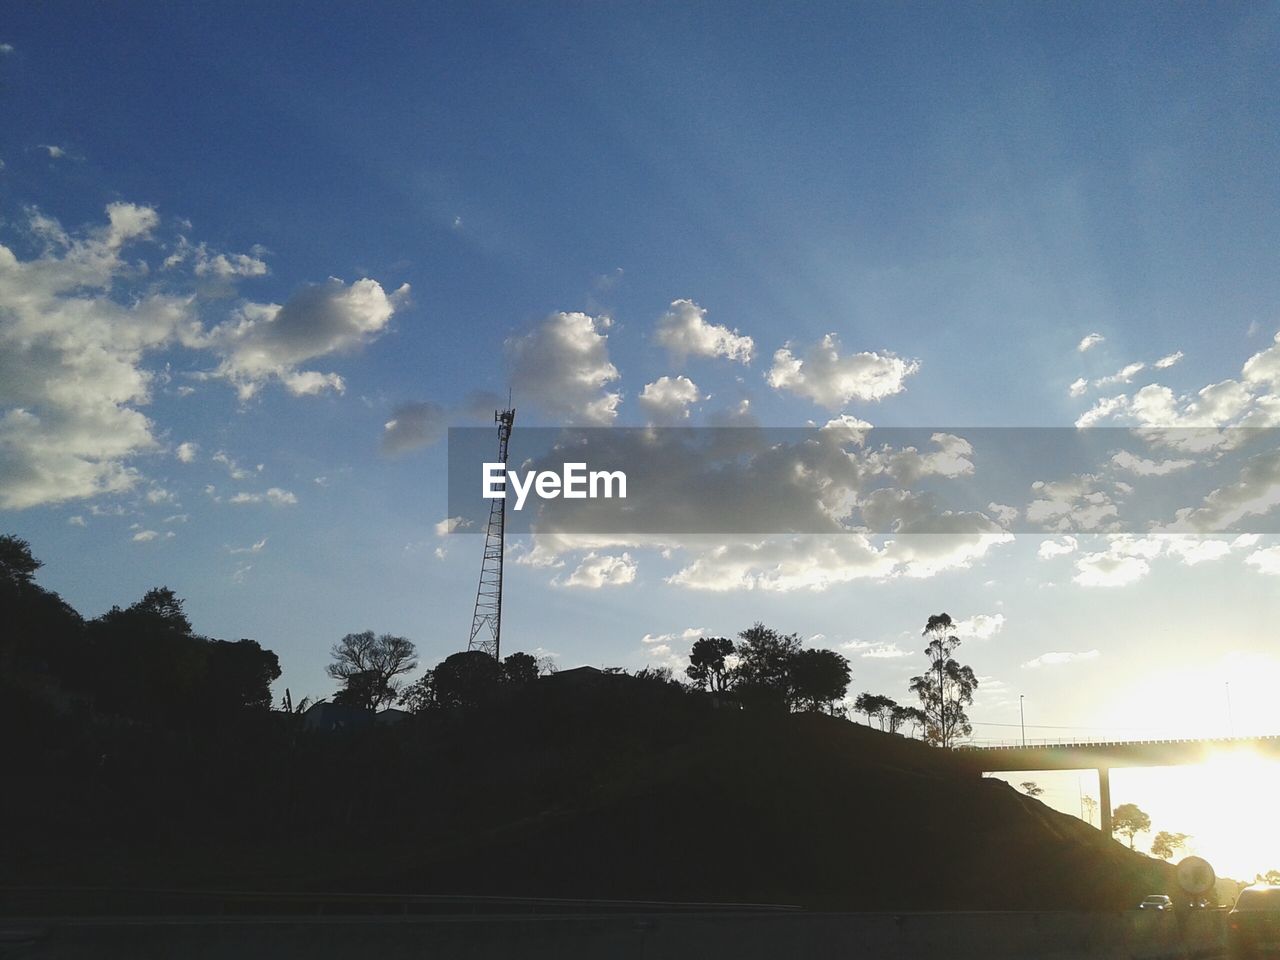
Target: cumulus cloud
(982,626)
(601,570)
(1076,503)
(1078,387)
(274,496)
(873,650)
(667,399)
(265,341)
(1264,367)
(1255,493)
(1127,559)
(685,332)
(1057,548)
(1090,340)
(562,365)
(1148,468)
(1197,421)
(451,525)
(817,563)
(832,381)
(54,151)
(71,375)
(186,452)
(1169,360)
(1123,375)
(77,322)
(1265,561)
(1059,659)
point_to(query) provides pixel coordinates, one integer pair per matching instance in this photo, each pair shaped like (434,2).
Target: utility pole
(1022,718)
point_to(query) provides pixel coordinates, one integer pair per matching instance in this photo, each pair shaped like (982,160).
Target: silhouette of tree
(165,607)
(762,676)
(17,565)
(1090,807)
(144,662)
(1031,788)
(913,717)
(868,704)
(519,669)
(947,688)
(368,666)
(818,679)
(465,680)
(1127,818)
(879,707)
(1165,844)
(708,663)
(240,674)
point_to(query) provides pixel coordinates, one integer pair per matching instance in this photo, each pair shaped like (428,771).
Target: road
(630,936)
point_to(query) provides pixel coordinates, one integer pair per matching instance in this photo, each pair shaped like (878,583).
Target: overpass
(1103,755)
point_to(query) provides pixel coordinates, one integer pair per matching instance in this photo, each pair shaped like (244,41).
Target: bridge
(1102,756)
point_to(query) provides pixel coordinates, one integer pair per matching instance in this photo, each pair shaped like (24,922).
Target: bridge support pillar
(1104,799)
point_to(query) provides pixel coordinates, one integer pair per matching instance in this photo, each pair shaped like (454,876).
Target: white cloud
(77,521)
(71,377)
(1148,468)
(6,48)
(667,399)
(1078,387)
(1057,548)
(265,341)
(685,332)
(451,524)
(563,366)
(832,381)
(1075,503)
(274,496)
(146,536)
(1058,659)
(55,152)
(818,563)
(1090,340)
(1004,513)
(1266,561)
(1124,375)
(257,547)
(871,650)
(1165,362)
(1106,569)
(186,452)
(234,470)
(1264,367)
(1256,493)
(979,627)
(77,322)
(1128,559)
(601,570)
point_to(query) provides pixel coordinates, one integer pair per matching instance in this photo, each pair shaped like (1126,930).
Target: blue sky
(583,199)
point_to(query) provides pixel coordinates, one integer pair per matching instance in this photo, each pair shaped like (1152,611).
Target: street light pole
(1022,717)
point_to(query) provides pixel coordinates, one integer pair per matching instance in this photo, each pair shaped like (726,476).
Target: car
(1253,925)
(1157,901)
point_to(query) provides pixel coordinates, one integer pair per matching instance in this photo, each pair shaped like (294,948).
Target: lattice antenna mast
(486,622)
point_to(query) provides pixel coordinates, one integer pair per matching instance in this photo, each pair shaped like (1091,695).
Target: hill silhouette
(139,754)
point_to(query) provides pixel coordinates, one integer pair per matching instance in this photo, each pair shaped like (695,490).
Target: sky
(256,259)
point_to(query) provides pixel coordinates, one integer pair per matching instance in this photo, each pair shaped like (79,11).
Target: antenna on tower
(486,622)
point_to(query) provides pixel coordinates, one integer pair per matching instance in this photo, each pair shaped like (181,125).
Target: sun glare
(1226,805)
